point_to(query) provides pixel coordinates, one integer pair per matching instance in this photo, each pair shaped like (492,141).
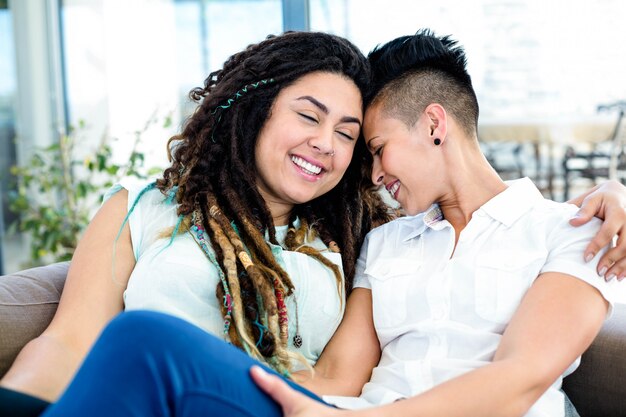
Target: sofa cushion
(28,301)
(598,387)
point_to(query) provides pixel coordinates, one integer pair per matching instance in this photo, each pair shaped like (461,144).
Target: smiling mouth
(307,167)
(393,188)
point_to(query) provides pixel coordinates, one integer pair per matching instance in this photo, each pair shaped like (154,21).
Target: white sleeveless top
(180,280)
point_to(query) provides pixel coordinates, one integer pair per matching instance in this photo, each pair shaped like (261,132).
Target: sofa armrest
(598,386)
(28,301)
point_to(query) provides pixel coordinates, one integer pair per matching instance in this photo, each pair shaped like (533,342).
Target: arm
(348,359)
(549,330)
(91,297)
(606,201)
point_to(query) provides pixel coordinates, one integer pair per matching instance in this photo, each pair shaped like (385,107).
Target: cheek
(259,161)
(384,162)
(343,159)
(262,161)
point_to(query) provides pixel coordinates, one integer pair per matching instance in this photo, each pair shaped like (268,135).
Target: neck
(281,220)
(473,182)
(280,212)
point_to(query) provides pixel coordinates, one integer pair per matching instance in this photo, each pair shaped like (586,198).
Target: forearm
(44,367)
(502,388)
(92,296)
(348,359)
(322,382)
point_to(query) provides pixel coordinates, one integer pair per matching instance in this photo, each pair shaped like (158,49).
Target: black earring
(437,141)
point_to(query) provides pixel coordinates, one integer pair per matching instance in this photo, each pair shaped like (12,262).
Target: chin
(302,199)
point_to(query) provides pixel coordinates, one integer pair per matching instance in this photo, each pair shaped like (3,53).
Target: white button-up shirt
(438,316)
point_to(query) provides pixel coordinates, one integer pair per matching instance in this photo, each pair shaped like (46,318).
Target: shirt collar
(506,207)
(281,232)
(512,203)
(414,226)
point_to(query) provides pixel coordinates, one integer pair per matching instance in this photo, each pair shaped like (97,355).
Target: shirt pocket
(390,279)
(501,281)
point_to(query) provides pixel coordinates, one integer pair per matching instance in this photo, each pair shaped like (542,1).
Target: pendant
(297,341)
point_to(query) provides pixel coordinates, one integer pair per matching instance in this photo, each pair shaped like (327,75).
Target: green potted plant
(57,192)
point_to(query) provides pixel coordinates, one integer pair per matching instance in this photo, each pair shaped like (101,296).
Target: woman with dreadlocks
(253,231)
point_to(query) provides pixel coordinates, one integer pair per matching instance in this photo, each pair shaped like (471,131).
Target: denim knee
(144,327)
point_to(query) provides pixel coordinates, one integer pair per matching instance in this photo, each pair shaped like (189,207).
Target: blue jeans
(152,364)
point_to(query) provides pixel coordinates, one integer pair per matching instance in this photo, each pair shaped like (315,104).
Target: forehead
(374,111)
(376,118)
(337,90)
(379,122)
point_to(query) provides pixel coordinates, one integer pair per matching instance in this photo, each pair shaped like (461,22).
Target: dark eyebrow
(323,108)
(349,119)
(317,104)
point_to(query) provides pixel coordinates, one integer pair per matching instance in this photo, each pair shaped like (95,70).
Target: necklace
(297,339)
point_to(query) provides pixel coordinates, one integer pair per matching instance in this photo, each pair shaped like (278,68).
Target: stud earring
(437,141)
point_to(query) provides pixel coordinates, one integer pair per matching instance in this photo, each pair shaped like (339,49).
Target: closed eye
(309,118)
(345,135)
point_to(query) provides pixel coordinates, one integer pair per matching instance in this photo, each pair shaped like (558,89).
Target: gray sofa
(28,300)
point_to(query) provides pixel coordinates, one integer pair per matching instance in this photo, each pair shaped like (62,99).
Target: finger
(276,388)
(615,224)
(616,271)
(613,262)
(267,382)
(590,206)
(603,238)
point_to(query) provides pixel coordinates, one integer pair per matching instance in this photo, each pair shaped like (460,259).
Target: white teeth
(394,188)
(306,166)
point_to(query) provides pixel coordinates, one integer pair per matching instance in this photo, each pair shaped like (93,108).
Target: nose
(323,143)
(378,175)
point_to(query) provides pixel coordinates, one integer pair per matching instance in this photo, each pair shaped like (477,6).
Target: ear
(438,121)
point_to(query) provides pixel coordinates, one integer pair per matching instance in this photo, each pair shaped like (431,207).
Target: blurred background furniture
(558,154)
(605,158)
(518,150)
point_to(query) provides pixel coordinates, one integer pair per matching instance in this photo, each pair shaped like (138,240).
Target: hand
(608,202)
(293,403)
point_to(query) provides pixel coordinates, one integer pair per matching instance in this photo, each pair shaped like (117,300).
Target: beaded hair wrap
(279,291)
(237,95)
(198,232)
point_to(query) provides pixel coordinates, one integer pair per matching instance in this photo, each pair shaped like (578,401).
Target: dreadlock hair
(411,72)
(213,170)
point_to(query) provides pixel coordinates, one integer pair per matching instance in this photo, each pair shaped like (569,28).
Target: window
(129,61)
(526,57)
